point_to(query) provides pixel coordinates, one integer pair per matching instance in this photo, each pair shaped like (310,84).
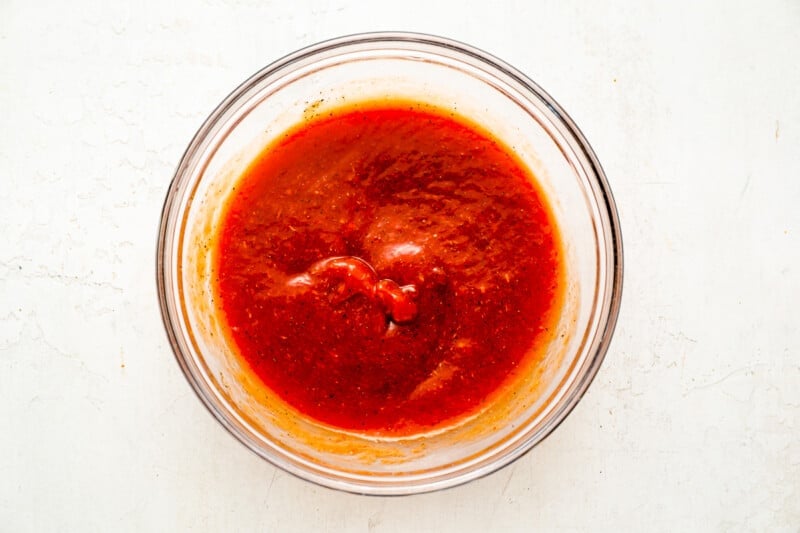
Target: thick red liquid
(387,267)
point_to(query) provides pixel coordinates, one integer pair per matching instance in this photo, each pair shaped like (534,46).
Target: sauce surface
(387,267)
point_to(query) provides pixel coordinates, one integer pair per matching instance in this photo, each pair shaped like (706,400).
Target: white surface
(693,424)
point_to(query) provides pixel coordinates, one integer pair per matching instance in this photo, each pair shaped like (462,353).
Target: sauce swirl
(388,267)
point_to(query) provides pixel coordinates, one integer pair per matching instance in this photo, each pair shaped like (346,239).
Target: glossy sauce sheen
(387,267)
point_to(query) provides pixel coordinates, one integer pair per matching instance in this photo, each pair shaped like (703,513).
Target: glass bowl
(449,75)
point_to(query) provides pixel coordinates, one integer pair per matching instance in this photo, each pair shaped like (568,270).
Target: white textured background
(693,424)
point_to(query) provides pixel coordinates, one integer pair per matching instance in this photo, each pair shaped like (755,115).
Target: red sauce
(387,267)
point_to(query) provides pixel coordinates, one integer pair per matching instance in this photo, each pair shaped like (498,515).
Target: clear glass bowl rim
(609,308)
